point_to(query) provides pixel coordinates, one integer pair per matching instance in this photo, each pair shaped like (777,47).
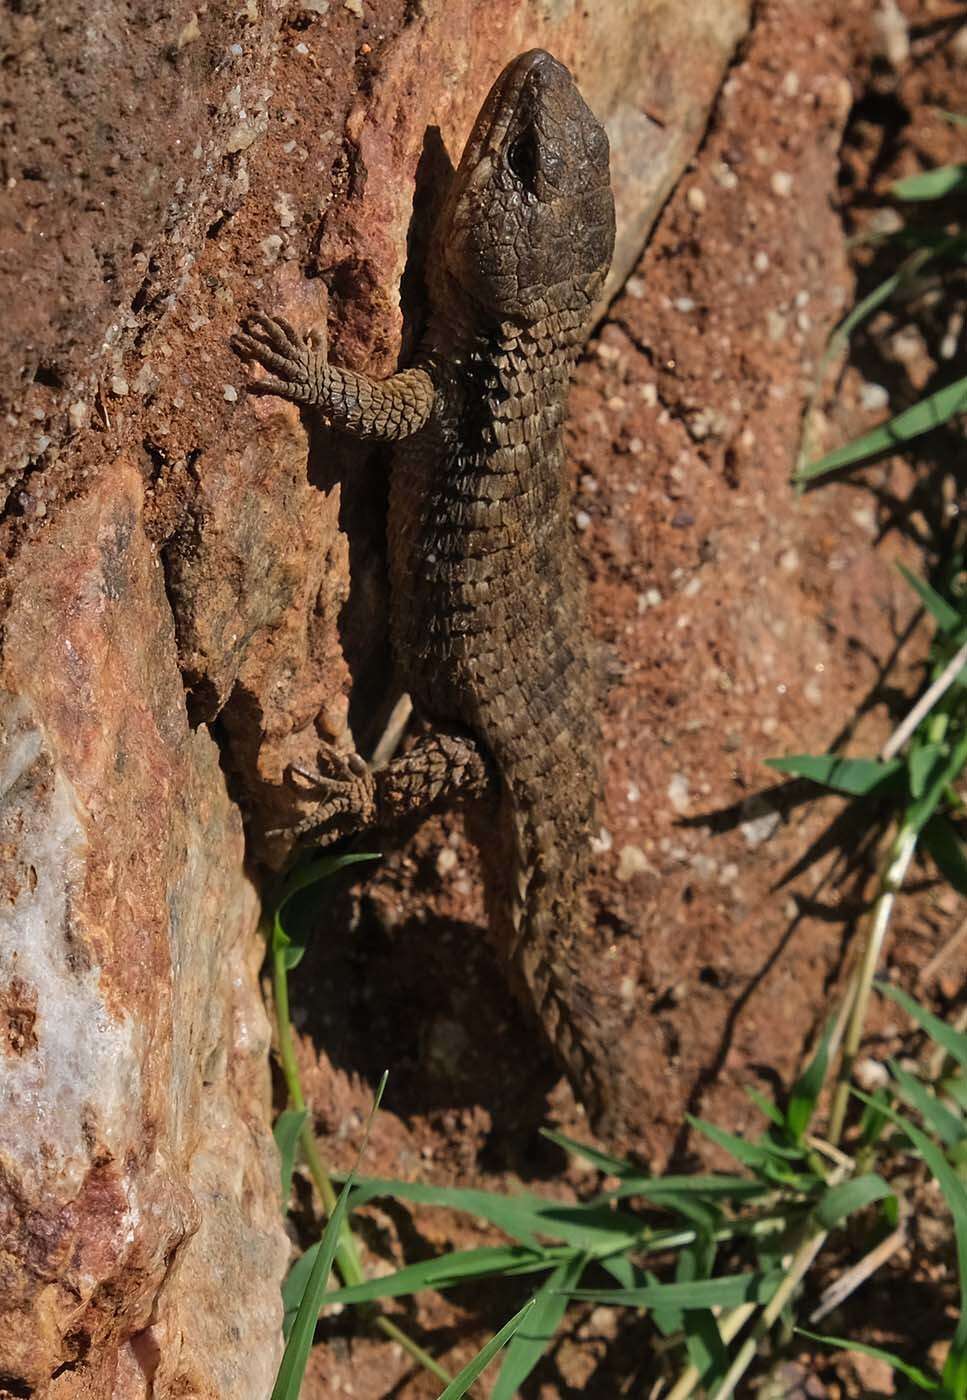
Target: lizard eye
(522,159)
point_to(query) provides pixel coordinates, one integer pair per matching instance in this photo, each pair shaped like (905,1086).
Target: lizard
(487,614)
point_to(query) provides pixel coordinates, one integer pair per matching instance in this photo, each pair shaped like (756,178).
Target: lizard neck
(504,383)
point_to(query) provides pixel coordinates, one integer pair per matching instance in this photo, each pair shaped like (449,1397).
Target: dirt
(738,621)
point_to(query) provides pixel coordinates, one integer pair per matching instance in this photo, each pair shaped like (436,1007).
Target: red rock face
(135,1053)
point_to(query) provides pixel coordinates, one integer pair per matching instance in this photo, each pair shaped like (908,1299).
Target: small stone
(696,201)
(725,176)
(119,386)
(284,206)
(603,842)
(635,287)
(874,397)
(781,184)
(241,137)
(446,861)
(77,415)
(678,794)
(790,84)
(761,261)
(632,861)
(684,304)
(230,393)
(355,7)
(789,561)
(891,34)
(777,326)
(146,380)
(761,821)
(582,520)
(271,248)
(189,32)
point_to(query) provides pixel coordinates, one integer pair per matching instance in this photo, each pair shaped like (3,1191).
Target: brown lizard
(488,617)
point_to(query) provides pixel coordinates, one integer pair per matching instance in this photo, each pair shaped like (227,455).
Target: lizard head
(528,226)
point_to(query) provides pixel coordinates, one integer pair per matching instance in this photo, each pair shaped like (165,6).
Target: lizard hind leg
(342,791)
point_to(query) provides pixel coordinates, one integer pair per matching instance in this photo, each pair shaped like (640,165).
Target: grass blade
(808,1087)
(449,1270)
(530,1343)
(840,1201)
(857,777)
(946,617)
(932,184)
(286,1132)
(889,437)
(288,1382)
(941,840)
(593,1226)
(948,1127)
(954,1042)
(702,1293)
(955,1195)
(461,1383)
(913,1373)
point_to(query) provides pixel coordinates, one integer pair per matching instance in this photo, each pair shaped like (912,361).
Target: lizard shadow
(362,470)
(426,999)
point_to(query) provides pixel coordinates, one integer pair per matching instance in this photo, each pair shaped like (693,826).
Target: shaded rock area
(185,607)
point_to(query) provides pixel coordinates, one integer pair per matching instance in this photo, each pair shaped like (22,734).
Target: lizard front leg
(444,767)
(299,369)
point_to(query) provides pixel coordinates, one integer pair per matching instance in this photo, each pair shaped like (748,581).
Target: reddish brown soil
(738,622)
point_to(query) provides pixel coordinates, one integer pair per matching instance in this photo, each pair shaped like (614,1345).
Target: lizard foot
(295,367)
(344,791)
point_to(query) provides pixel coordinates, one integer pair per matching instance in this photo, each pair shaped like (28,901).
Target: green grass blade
(706,1350)
(946,617)
(461,1383)
(667,1190)
(954,1042)
(611,1166)
(841,1201)
(947,1126)
(955,1195)
(725,1292)
(765,1106)
(807,1088)
(532,1341)
(448,1271)
(921,1379)
(593,1226)
(752,1154)
(932,184)
(858,777)
(940,838)
(286,1132)
(889,437)
(288,1382)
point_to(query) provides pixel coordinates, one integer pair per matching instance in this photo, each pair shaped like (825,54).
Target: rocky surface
(169,561)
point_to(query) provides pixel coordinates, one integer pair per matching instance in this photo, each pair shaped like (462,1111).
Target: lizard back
(488,597)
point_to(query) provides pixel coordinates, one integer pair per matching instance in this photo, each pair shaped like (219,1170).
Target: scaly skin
(488,616)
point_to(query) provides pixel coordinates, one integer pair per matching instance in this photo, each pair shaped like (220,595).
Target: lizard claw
(343,790)
(294,367)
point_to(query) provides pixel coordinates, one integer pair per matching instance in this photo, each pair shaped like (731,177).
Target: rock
(137,1172)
